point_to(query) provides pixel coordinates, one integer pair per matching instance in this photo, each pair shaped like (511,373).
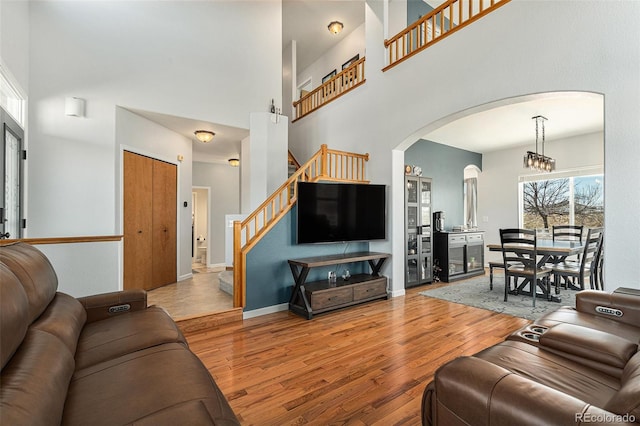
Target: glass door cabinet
(418,249)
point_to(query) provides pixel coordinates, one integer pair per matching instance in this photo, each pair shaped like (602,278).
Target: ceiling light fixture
(234,162)
(335,27)
(204,136)
(539,161)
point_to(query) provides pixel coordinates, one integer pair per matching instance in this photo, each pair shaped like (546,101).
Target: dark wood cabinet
(459,254)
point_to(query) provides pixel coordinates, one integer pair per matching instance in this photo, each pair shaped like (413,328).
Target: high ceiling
(503,125)
(306,21)
(509,124)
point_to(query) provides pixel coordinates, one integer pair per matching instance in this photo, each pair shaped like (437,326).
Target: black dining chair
(520,257)
(567,232)
(599,265)
(587,265)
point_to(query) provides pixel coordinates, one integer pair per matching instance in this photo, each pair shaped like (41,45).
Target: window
(574,198)
(10,98)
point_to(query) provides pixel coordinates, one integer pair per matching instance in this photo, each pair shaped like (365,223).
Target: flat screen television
(340,212)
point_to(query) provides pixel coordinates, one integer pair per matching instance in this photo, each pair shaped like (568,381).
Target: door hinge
(24,223)
(24,154)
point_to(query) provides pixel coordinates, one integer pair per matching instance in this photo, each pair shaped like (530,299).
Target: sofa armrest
(622,305)
(471,390)
(106,305)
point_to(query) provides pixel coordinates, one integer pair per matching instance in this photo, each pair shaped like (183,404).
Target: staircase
(324,165)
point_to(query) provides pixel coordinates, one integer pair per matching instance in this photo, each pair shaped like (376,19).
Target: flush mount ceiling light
(234,162)
(539,161)
(335,27)
(204,136)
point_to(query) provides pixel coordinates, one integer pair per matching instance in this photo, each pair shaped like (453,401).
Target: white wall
(153,56)
(96,267)
(224,183)
(498,182)
(264,158)
(171,57)
(289,83)
(523,47)
(14,40)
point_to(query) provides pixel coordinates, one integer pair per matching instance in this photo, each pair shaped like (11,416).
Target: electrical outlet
(329,275)
(485,219)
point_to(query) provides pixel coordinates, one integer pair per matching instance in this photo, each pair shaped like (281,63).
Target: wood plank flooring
(365,365)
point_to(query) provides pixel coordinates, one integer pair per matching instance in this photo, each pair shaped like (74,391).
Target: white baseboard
(185,276)
(397,293)
(216,265)
(264,311)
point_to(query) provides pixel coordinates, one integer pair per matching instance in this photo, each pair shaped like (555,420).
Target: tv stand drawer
(370,289)
(330,297)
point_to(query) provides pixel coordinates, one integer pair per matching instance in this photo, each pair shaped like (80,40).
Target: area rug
(475,292)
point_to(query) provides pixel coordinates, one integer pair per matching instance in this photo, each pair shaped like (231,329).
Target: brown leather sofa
(106,359)
(573,366)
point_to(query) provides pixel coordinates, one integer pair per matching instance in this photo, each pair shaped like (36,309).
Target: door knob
(5,235)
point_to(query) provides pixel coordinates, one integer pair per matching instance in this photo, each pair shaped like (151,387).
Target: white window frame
(570,174)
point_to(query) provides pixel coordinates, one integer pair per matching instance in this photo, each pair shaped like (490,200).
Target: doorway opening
(200,229)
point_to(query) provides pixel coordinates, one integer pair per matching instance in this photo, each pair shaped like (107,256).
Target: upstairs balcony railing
(346,80)
(442,21)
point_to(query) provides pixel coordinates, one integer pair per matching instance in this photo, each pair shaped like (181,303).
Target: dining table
(549,251)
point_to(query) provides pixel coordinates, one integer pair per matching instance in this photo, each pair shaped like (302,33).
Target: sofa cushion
(35,273)
(143,384)
(35,381)
(589,344)
(63,318)
(627,400)
(110,338)
(14,313)
(554,371)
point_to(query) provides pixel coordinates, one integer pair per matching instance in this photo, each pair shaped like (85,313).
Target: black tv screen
(339,212)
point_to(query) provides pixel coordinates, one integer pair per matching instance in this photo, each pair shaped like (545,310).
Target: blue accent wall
(445,165)
(416,9)
(269,278)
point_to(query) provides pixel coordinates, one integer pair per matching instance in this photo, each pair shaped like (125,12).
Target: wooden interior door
(138,240)
(164,206)
(150,231)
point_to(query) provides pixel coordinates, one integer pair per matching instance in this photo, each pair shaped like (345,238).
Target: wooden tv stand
(322,296)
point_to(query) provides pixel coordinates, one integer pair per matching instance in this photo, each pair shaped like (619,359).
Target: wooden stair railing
(326,165)
(343,82)
(292,160)
(442,21)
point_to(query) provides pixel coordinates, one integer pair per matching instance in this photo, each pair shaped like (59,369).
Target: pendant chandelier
(535,160)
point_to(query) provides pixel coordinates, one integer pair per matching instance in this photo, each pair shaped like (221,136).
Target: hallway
(200,294)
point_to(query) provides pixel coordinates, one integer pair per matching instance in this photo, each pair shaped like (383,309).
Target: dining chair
(520,257)
(599,264)
(567,232)
(588,263)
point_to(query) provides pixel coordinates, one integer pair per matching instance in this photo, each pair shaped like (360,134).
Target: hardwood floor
(365,365)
